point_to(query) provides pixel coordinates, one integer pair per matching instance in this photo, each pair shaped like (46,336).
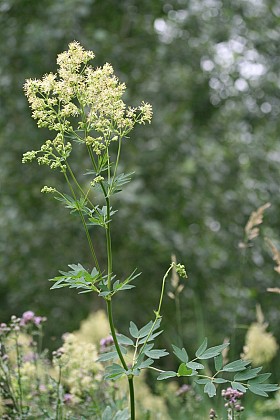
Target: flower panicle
(81,98)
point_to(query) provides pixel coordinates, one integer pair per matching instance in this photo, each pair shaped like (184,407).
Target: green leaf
(218,360)
(195,365)
(247,374)
(120,180)
(220,380)
(202,381)
(107,413)
(144,331)
(210,389)
(181,354)
(72,204)
(123,339)
(149,328)
(237,365)
(256,389)
(133,330)
(114,372)
(151,338)
(183,370)
(260,378)
(156,354)
(143,365)
(266,387)
(238,386)
(202,348)
(213,351)
(270,387)
(124,285)
(78,278)
(99,217)
(166,375)
(122,415)
(104,294)
(107,356)
(122,348)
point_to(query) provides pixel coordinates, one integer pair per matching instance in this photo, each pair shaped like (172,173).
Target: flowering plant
(84,106)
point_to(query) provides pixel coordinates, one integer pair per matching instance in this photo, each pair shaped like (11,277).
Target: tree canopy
(210,157)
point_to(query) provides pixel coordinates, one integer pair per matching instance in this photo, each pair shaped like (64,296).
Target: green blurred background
(210,157)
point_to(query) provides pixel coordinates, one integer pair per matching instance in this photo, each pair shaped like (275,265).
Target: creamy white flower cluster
(82,102)
(81,373)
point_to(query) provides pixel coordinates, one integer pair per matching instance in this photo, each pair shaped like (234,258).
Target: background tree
(210,157)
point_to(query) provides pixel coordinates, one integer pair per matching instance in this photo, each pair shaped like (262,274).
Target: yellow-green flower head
(81,98)
(260,346)
(80,371)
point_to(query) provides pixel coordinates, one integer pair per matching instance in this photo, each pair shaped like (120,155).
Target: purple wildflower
(67,399)
(27,317)
(106,342)
(30,317)
(233,397)
(38,320)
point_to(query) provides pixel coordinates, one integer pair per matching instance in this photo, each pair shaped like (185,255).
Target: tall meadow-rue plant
(83,106)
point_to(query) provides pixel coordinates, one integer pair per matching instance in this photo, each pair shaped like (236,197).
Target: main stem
(109,274)
(110,311)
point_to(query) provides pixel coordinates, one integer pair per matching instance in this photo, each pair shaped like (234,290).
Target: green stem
(85,195)
(157,313)
(113,332)
(19,375)
(58,401)
(6,374)
(109,301)
(132,401)
(130,378)
(109,246)
(116,165)
(162,288)
(84,225)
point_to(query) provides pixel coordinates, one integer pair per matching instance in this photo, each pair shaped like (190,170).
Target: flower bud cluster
(180,269)
(233,397)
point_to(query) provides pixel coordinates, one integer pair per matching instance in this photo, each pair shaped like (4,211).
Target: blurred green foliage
(210,157)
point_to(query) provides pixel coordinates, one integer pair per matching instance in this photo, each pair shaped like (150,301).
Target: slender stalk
(58,401)
(157,313)
(85,195)
(116,165)
(19,375)
(109,245)
(113,332)
(84,225)
(109,302)
(6,374)
(132,401)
